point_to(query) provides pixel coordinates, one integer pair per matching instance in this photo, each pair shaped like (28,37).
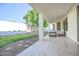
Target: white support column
(41,33)
(49,27)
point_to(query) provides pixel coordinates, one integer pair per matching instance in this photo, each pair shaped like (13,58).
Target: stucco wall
(72,24)
(51,27)
(55,26)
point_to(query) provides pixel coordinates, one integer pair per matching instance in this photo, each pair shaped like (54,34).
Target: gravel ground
(16,47)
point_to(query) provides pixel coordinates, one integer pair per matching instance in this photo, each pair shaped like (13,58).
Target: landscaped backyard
(14,44)
(13,38)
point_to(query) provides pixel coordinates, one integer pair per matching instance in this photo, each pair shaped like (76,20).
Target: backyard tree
(32,17)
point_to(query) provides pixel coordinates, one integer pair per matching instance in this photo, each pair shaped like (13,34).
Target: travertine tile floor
(52,46)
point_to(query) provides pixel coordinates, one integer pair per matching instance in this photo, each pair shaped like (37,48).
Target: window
(53,26)
(58,25)
(65,24)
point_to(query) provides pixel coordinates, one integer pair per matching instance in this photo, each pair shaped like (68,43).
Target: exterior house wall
(51,27)
(72,24)
(55,26)
(60,25)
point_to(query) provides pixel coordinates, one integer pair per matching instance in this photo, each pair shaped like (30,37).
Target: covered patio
(67,14)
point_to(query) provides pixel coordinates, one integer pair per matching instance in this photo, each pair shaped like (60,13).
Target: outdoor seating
(61,33)
(53,34)
(56,33)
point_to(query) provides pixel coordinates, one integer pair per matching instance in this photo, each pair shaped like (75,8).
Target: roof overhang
(53,11)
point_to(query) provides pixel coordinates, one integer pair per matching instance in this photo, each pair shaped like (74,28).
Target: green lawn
(13,38)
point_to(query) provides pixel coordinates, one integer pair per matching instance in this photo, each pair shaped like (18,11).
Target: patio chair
(61,33)
(53,34)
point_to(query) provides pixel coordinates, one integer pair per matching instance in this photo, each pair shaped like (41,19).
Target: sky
(14,11)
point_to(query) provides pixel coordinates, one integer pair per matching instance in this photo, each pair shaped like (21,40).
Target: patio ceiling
(53,11)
